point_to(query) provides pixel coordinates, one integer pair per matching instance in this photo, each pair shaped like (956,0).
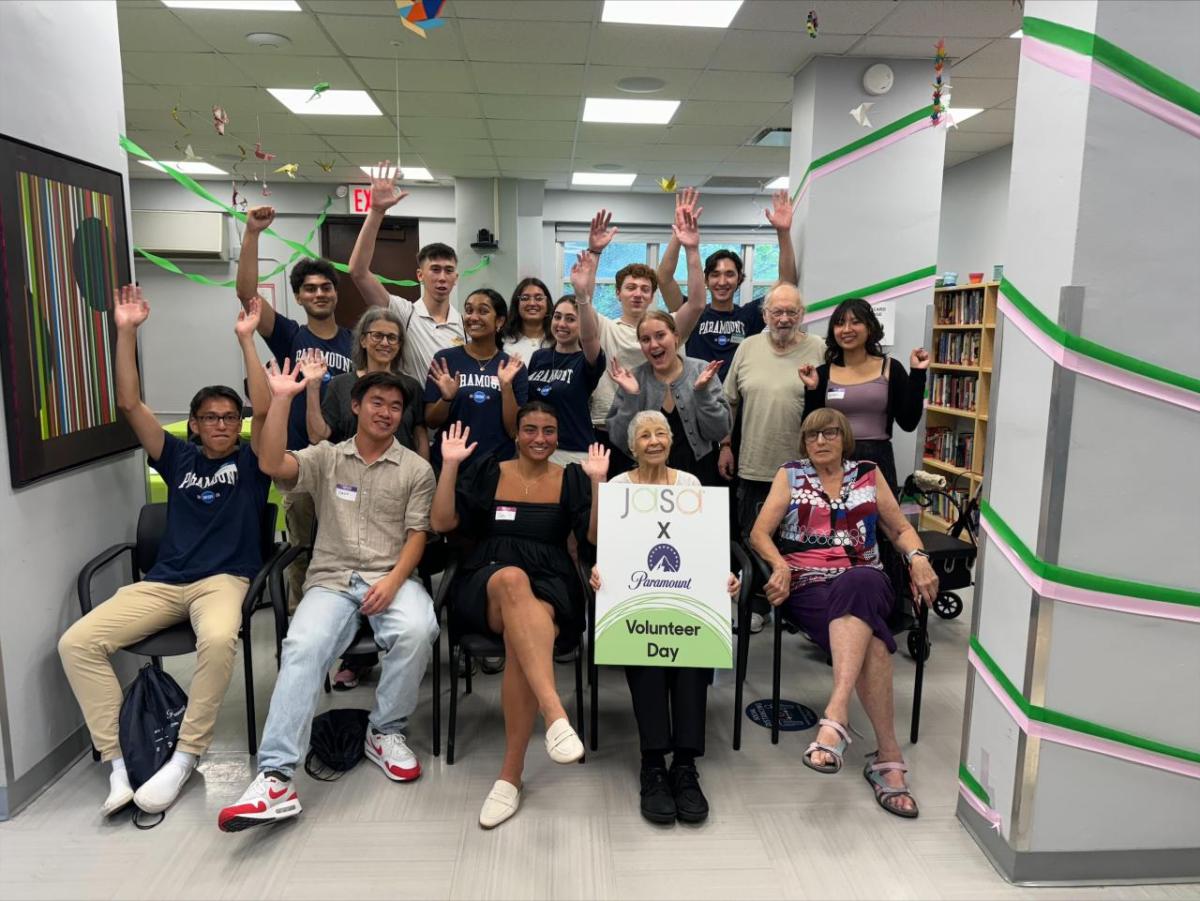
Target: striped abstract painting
(71,271)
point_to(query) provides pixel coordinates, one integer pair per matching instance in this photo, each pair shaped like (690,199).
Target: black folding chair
(180,638)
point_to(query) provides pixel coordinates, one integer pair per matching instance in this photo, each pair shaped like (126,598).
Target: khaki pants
(137,611)
(298,516)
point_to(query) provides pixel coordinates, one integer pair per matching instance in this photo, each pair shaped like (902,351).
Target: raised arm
(910,389)
(443,515)
(273,458)
(514,389)
(669,260)
(130,310)
(686,229)
(258,218)
(384,196)
(596,469)
(583,281)
(780,216)
(256,379)
(312,365)
(437,411)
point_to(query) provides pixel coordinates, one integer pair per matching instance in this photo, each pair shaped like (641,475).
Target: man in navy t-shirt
(724,324)
(210,550)
(314,282)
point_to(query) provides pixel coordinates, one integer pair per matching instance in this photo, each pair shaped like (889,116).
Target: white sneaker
(501,803)
(160,791)
(266,800)
(393,755)
(562,742)
(120,793)
(758,621)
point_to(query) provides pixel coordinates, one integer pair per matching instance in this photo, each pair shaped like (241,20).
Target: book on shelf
(941,506)
(957,391)
(946,445)
(958,348)
(959,308)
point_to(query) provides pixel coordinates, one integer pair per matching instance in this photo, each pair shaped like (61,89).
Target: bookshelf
(958,387)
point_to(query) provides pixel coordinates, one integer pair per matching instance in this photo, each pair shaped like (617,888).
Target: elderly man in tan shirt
(372,498)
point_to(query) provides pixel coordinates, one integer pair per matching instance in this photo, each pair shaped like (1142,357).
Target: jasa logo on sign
(360,200)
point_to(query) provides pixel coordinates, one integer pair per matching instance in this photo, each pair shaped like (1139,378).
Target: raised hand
(596,464)
(311,364)
(583,274)
(919,359)
(687,199)
(686,226)
(808,375)
(130,309)
(600,235)
(780,213)
(625,379)
(706,375)
(247,321)
(259,218)
(384,195)
(507,371)
(286,382)
(454,443)
(447,382)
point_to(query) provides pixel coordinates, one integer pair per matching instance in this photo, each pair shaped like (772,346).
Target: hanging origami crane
(325,167)
(939,65)
(317,90)
(289,169)
(667,184)
(811,24)
(175,116)
(422,15)
(261,154)
(220,120)
(860,113)
(266,189)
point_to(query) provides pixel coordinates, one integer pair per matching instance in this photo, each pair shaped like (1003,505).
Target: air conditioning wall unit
(182,234)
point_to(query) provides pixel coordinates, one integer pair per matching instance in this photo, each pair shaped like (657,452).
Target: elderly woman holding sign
(668,702)
(826,570)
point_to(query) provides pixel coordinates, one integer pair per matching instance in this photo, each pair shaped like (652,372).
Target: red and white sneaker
(266,800)
(392,753)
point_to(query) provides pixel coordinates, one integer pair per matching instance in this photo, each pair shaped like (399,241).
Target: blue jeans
(324,625)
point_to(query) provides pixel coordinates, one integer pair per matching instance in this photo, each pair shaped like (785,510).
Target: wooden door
(395,257)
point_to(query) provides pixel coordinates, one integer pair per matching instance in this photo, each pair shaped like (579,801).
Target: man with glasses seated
(208,553)
(763,382)
(314,283)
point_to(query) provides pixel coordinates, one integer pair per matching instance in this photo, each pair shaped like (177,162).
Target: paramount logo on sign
(663,558)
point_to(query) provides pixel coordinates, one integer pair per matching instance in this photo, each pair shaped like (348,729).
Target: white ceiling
(498,91)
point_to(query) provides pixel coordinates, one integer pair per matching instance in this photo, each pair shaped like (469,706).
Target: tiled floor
(777,830)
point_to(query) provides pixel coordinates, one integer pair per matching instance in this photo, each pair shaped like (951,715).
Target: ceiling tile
(183,68)
(295,71)
(448,128)
(770,156)
(981,142)
(843,17)
(155,30)
(532,148)
(763,168)
(637,45)
(981,92)
(528,106)
(996,121)
(774,51)
(914,48)
(656,153)
(412,105)
(531,78)
(360,145)
(433,75)
(612,133)
(528,10)
(350,125)
(762,87)
(732,135)
(520,130)
(717,114)
(535,164)
(376,8)
(601,81)
(145,97)
(508,41)
(373,35)
(452,146)
(999,59)
(227,31)
(954,157)
(978,20)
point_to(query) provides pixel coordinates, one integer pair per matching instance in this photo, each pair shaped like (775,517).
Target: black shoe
(658,805)
(690,804)
(490,666)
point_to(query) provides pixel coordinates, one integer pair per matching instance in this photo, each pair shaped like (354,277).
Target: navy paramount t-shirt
(566,381)
(477,404)
(718,334)
(214,513)
(287,340)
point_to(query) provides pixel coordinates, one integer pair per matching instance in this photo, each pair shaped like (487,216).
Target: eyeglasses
(525,298)
(783,314)
(214,418)
(383,337)
(830,434)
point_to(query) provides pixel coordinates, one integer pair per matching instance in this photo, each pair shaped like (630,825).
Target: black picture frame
(57,333)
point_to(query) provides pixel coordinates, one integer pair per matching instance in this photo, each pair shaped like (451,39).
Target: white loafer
(120,794)
(160,790)
(501,803)
(562,742)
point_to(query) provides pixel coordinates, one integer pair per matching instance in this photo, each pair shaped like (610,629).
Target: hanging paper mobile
(175,116)
(261,154)
(317,90)
(422,15)
(325,167)
(939,65)
(289,169)
(220,120)
(188,153)
(667,184)
(860,113)
(811,24)
(266,189)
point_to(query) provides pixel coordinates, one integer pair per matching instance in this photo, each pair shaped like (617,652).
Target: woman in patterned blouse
(826,571)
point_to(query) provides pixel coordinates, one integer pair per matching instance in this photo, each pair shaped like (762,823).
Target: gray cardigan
(705,414)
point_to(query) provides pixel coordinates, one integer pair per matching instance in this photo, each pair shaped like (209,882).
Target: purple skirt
(861,591)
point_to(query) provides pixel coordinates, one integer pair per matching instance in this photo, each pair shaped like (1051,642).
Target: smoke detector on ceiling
(267,39)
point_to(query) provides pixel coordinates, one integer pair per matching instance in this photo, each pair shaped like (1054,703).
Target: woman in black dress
(519,581)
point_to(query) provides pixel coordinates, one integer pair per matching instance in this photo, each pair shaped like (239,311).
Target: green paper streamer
(895,282)
(972,784)
(1091,349)
(1076,724)
(1140,72)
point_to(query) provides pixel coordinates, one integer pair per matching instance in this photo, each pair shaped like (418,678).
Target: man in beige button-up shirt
(372,499)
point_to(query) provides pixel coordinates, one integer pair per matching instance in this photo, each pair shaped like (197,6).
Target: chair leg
(437,695)
(328,687)
(95,754)
(594,707)
(466,655)
(455,656)
(918,683)
(579,714)
(775,678)
(248,669)
(157,661)
(739,675)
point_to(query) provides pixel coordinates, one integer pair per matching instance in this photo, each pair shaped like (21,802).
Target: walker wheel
(948,605)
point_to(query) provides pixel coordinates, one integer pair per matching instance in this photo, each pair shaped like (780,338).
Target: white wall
(975,214)
(61,70)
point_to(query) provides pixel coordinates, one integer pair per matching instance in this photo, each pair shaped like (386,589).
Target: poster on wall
(65,248)
(664,563)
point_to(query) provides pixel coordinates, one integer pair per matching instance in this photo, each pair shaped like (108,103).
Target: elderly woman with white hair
(668,702)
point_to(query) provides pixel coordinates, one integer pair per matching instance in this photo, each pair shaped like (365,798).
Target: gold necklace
(482,363)
(521,479)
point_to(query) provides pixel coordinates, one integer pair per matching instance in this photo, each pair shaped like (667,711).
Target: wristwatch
(596,252)
(908,558)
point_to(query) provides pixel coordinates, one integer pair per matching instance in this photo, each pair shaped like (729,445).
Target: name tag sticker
(835,394)
(347,492)
(506,514)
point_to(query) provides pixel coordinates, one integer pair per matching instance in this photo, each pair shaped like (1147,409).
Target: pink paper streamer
(1095,369)
(1087,598)
(880,297)
(1084,68)
(992,816)
(854,156)
(1071,739)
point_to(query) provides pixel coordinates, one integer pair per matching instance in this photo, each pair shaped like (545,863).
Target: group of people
(497,424)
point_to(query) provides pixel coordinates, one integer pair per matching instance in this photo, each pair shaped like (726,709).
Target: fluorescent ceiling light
(709,14)
(607,179)
(191,167)
(1019,33)
(629,112)
(777,184)
(273,6)
(962,113)
(407,173)
(330,103)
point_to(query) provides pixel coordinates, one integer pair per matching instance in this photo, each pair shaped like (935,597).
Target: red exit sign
(360,200)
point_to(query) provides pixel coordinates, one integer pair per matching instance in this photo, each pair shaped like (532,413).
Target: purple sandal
(837,750)
(884,793)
